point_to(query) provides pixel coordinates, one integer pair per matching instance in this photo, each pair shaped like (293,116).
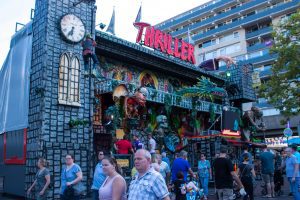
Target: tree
(282,89)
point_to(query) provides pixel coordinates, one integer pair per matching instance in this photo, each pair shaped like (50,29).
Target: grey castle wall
(49,134)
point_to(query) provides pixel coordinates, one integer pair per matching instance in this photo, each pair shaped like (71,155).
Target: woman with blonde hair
(114,186)
(42,180)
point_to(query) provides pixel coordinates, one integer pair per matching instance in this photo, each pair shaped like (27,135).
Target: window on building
(63,77)
(254,54)
(221,24)
(250,13)
(240,58)
(211,28)
(235,19)
(69,70)
(201,58)
(236,35)
(230,49)
(210,55)
(209,43)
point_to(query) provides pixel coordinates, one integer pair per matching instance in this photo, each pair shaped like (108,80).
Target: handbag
(69,192)
(76,189)
(79,188)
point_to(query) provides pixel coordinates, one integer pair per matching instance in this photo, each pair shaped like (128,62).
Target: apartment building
(241,29)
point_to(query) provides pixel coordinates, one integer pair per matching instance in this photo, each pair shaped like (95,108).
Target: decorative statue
(204,89)
(253,122)
(135,103)
(162,122)
(88,45)
(213,64)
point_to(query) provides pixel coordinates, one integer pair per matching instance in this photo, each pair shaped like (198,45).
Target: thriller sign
(164,42)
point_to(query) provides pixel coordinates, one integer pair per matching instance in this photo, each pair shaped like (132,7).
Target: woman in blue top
(204,171)
(70,178)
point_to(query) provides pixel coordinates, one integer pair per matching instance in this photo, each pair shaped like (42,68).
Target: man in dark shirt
(267,170)
(137,144)
(224,175)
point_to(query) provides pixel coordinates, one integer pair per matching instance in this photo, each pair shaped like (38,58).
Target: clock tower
(60,96)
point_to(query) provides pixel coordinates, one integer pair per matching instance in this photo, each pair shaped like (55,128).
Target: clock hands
(71,31)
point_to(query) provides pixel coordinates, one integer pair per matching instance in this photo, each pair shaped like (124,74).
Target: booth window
(69,70)
(14,147)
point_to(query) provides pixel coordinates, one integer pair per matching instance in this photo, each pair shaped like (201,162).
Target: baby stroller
(236,191)
(193,192)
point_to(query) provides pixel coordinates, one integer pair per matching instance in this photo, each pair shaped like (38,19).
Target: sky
(153,12)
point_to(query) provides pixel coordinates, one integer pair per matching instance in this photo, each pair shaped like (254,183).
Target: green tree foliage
(282,89)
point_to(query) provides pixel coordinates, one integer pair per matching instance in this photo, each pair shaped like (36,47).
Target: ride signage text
(164,42)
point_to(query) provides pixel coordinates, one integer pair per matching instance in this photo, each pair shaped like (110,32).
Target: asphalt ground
(212,196)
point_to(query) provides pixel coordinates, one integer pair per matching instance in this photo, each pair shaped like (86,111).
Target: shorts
(225,194)
(268,178)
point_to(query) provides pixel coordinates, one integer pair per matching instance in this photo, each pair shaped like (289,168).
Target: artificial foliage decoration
(78,122)
(283,88)
(212,113)
(153,94)
(112,116)
(131,88)
(178,100)
(114,84)
(168,104)
(204,89)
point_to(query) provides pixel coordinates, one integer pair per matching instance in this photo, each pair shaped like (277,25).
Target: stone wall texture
(49,134)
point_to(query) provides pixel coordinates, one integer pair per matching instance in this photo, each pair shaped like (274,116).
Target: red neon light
(230,133)
(164,42)
(15,159)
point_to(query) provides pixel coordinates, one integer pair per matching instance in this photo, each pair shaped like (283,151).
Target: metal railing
(158,96)
(265,14)
(259,32)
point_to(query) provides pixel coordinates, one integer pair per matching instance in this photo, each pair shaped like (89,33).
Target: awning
(15,82)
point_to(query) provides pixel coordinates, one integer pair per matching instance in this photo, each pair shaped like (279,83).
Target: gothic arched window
(69,70)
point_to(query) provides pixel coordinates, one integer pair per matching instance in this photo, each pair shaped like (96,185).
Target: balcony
(260,32)
(261,59)
(265,73)
(194,14)
(246,21)
(219,17)
(157,96)
(257,47)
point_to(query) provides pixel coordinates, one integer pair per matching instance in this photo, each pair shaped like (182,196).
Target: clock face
(72,28)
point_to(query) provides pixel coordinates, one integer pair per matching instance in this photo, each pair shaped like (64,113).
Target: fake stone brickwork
(49,134)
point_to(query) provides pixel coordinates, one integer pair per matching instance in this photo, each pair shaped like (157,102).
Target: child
(179,186)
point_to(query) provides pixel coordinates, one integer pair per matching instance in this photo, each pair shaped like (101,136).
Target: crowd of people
(155,177)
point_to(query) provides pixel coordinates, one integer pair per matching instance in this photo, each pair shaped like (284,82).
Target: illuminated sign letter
(149,36)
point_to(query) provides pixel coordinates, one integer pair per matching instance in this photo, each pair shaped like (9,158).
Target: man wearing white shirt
(164,168)
(152,146)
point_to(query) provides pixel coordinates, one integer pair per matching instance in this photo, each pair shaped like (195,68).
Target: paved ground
(257,193)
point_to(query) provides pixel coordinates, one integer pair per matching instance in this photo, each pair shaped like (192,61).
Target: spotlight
(228,74)
(102,26)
